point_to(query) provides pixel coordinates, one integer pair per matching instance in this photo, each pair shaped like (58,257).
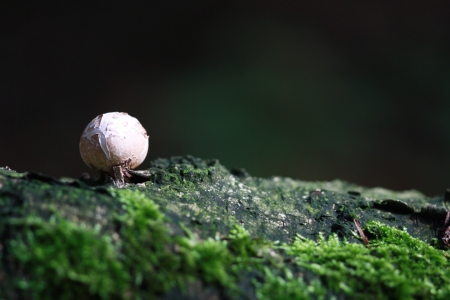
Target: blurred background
(312,90)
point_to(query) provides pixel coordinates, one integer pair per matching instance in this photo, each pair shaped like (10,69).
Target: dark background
(352,90)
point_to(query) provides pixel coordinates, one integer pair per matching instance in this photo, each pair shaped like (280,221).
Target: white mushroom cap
(113,139)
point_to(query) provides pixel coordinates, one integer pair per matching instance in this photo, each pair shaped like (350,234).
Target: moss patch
(58,259)
(395,266)
(197,230)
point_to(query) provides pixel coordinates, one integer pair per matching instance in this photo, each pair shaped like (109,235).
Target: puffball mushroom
(113,143)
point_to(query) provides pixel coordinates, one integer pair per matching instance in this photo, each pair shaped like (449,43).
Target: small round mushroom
(114,142)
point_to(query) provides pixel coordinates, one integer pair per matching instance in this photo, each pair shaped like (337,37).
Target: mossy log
(191,229)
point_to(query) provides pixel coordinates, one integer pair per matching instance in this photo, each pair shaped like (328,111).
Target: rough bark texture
(213,234)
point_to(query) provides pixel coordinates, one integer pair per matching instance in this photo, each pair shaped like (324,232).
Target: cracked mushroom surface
(114,140)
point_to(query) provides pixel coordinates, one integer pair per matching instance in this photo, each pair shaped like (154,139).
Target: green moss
(395,266)
(332,265)
(144,245)
(287,286)
(59,259)
(144,261)
(159,261)
(197,230)
(10,173)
